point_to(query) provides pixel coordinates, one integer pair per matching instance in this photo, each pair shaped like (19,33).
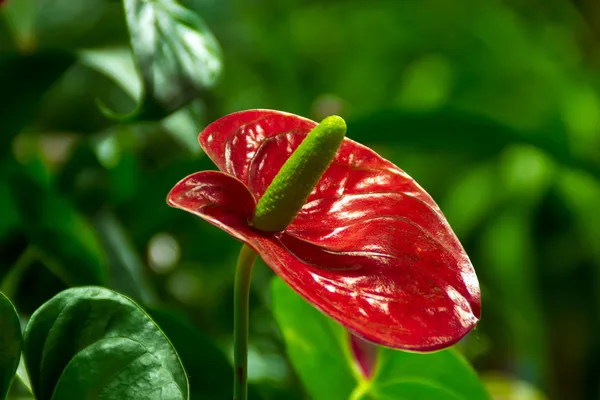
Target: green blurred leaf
(176,53)
(20,18)
(473,197)
(447,130)
(317,346)
(185,124)
(24,83)
(457,132)
(508,253)
(127,269)
(91,342)
(117,64)
(67,244)
(52,24)
(581,193)
(314,341)
(521,174)
(10,344)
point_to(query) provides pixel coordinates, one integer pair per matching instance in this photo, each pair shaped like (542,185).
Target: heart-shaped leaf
(314,341)
(10,344)
(176,53)
(91,341)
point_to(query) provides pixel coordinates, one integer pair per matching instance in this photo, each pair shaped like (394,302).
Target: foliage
(10,344)
(91,341)
(493,107)
(316,340)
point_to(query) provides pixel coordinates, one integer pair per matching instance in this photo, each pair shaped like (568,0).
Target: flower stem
(10,282)
(241,295)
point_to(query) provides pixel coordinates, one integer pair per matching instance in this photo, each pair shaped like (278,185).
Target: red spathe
(370,248)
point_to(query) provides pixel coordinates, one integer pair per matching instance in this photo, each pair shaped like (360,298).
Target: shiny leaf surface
(313,340)
(370,248)
(91,341)
(10,344)
(177,55)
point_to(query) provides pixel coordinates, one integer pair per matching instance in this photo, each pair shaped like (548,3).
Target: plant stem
(240,321)
(9,284)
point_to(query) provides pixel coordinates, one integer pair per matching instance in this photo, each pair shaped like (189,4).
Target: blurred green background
(492,106)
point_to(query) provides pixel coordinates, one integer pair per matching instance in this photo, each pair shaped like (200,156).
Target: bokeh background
(492,106)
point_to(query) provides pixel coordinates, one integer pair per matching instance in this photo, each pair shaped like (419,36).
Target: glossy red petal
(370,248)
(219,198)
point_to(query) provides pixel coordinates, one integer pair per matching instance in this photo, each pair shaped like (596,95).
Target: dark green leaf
(177,55)
(445,130)
(314,341)
(455,132)
(209,371)
(10,344)
(91,342)
(23,84)
(67,243)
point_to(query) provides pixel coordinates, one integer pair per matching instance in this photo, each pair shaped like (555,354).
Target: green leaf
(126,266)
(418,376)
(117,64)
(10,344)
(316,345)
(91,342)
(314,341)
(176,53)
(67,244)
(24,82)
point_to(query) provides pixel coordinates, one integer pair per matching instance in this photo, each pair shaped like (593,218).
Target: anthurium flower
(369,248)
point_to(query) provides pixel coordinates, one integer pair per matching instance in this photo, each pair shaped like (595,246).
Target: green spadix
(290,188)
